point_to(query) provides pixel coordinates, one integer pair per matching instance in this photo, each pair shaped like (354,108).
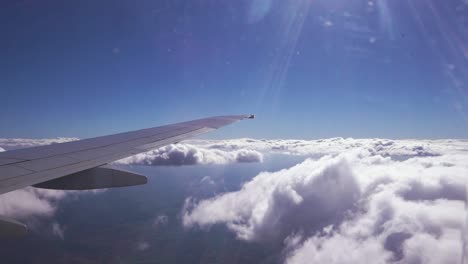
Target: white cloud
(26,202)
(58,230)
(340,249)
(186,154)
(160,220)
(142,246)
(17,143)
(399,149)
(315,192)
(381,200)
(31,201)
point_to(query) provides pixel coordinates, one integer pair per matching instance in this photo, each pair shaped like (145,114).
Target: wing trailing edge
(95,178)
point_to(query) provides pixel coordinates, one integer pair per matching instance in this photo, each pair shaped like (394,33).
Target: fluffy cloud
(186,154)
(58,230)
(17,143)
(379,200)
(316,193)
(397,149)
(340,249)
(29,201)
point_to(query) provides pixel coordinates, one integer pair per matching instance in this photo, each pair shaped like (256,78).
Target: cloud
(142,246)
(399,149)
(58,230)
(29,201)
(340,249)
(387,200)
(186,154)
(317,193)
(327,23)
(17,143)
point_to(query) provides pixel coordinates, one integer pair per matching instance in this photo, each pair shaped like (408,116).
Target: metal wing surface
(84,161)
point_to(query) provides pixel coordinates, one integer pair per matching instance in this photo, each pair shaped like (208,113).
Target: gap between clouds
(193,152)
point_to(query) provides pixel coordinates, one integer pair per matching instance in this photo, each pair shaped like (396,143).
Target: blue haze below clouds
(307,69)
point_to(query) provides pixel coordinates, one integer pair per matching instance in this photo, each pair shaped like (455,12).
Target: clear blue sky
(306,68)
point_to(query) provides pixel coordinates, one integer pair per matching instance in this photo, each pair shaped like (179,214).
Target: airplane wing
(83,164)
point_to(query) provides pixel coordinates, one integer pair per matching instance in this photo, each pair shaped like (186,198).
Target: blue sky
(307,69)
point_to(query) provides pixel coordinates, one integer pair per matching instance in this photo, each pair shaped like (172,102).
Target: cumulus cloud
(379,200)
(17,143)
(317,193)
(340,249)
(29,205)
(397,149)
(186,154)
(29,201)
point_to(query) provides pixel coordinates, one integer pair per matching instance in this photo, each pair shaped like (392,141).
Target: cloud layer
(316,193)
(17,143)
(379,200)
(400,201)
(29,201)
